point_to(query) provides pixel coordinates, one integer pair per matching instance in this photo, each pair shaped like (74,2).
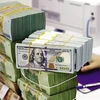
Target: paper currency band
(54,37)
(6,8)
(26,88)
(37,95)
(29,54)
(68,40)
(41,35)
(22,72)
(45,47)
(4,61)
(25,97)
(30,44)
(10,13)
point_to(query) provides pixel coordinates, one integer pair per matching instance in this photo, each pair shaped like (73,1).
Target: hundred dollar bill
(29,93)
(48,58)
(54,82)
(18,21)
(12,85)
(64,39)
(9,68)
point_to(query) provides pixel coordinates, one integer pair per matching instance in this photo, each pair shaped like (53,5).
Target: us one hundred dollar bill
(48,58)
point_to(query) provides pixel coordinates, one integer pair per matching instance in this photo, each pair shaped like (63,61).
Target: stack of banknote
(9,68)
(30,93)
(17,21)
(59,52)
(7,48)
(12,85)
(49,82)
(7,94)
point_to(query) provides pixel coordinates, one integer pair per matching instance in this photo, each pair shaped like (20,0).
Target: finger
(89,67)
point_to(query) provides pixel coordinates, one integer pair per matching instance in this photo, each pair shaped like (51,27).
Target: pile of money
(45,64)
(12,85)
(53,51)
(29,93)
(7,94)
(49,82)
(18,21)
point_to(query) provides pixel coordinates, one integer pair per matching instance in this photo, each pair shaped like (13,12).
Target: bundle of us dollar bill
(53,51)
(9,68)
(49,82)
(17,21)
(29,93)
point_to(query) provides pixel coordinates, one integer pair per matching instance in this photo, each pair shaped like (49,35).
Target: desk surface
(94,95)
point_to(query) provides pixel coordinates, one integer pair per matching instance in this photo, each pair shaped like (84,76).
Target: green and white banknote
(29,93)
(7,94)
(18,21)
(12,85)
(7,48)
(49,82)
(9,68)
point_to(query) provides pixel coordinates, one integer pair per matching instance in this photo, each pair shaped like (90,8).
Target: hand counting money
(53,51)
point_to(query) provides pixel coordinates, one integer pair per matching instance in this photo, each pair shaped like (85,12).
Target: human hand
(93,64)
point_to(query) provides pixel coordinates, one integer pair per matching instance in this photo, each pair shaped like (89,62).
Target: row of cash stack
(8,71)
(17,21)
(60,52)
(35,63)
